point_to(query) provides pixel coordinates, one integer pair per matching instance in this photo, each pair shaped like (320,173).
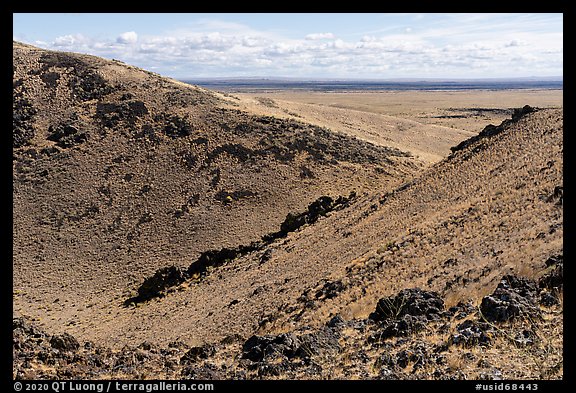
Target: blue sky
(322,45)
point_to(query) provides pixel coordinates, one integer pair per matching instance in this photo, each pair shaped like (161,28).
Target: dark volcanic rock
(557,196)
(258,348)
(21,326)
(336,322)
(66,135)
(554,260)
(208,372)
(84,81)
(461,310)
(168,277)
(154,286)
(111,114)
(555,278)
(404,326)
(491,130)
(548,299)
(176,126)
(330,290)
(323,342)
(64,342)
(415,302)
(276,349)
(405,314)
(552,283)
(196,353)
(512,298)
(416,354)
(320,207)
(275,369)
(472,333)
(22,126)
(521,112)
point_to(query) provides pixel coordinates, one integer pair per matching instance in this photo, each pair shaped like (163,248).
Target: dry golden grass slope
(425,122)
(456,229)
(118,171)
(96,215)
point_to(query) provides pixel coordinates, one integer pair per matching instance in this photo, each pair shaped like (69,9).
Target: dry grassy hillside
(118,171)
(448,272)
(456,274)
(424,122)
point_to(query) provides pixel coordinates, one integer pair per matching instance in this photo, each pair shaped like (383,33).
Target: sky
(310,45)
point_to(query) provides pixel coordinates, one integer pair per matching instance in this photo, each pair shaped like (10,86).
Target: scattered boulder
(471,333)
(66,135)
(416,355)
(258,348)
(22,327)
(414,302)
(330,290)
(402,327)
(514,297)
(552,283)
(525,337)
(336,322)
(196,353)
(548,299)
(404,314)
(386,360)
(461,310)
(64,342)
(554,260)
(323,342)
(557,196)
(555,278)
(287,346)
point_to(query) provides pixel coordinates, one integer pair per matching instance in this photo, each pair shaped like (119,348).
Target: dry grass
(455,227)
(422,122)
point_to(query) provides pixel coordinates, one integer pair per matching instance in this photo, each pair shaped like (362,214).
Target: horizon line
(555,78)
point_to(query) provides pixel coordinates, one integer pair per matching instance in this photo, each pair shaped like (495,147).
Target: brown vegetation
(443,268)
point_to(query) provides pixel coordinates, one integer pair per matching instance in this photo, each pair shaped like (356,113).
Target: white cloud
(212,48)
(319,36)
(130,37)
(515,43)
(70,40)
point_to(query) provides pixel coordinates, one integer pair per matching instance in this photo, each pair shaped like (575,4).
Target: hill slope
(456,273)
(118,171)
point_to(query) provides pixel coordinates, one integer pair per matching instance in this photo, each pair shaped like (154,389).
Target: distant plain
(426,121)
